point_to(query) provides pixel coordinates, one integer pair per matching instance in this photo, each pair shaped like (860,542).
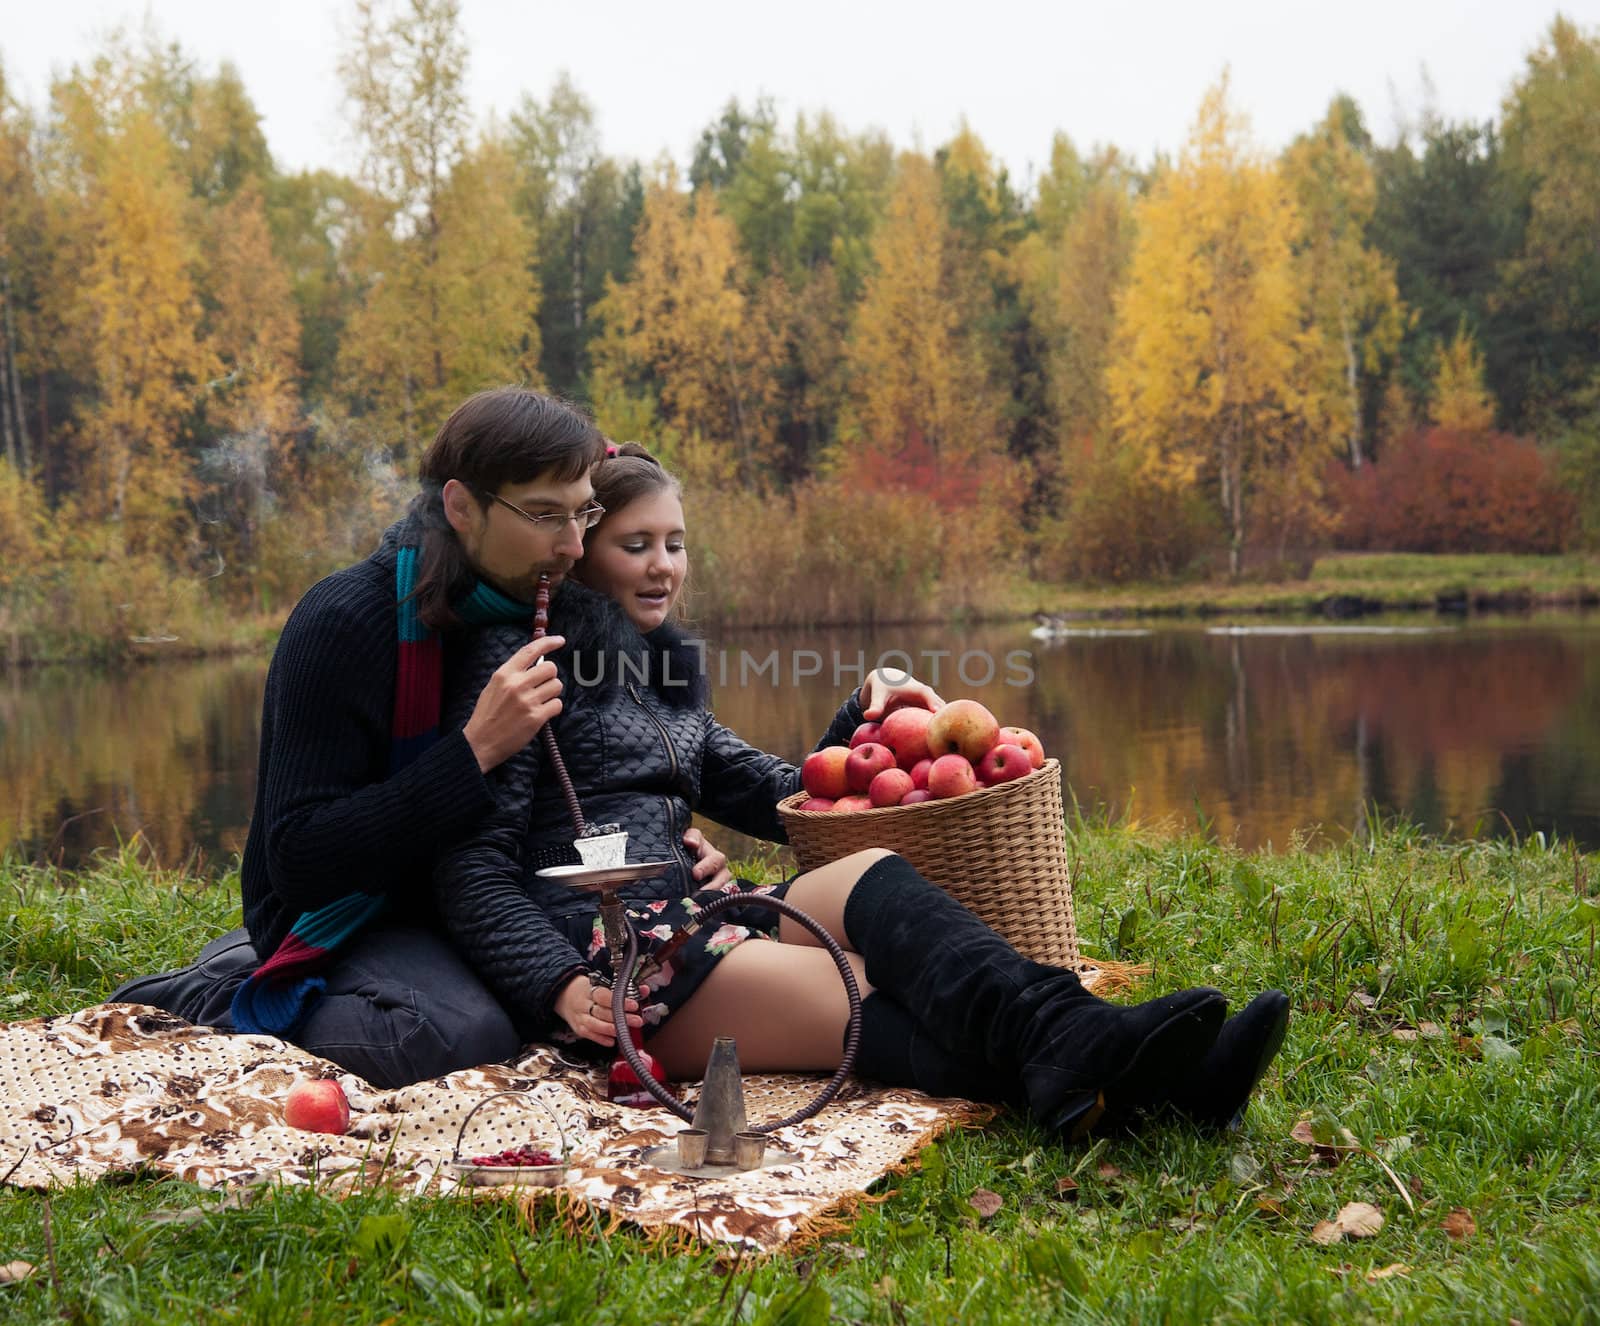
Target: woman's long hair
(504,435)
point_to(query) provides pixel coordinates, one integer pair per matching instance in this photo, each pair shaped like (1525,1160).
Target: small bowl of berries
(530,1164)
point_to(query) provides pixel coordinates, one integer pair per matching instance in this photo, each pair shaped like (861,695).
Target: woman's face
(637,556)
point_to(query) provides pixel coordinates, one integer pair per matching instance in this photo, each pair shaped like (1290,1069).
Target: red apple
(888,787)
(916,796)
(317,1106)
(905,732)
(1002,764)
(850,803)
(822,773)
(1020,736)
(816,803)
(865,763)
(919,774)
(962,727)
(865,733)
(951,775)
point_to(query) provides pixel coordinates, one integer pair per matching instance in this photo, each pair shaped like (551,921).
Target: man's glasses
(553,522)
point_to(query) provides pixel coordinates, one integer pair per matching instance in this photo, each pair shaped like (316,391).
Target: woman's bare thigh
(785,1004)
(822,893)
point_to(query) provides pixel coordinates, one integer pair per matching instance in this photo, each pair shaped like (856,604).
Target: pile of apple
(918,755)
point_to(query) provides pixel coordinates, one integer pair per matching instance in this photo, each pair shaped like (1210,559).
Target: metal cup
(748,1149)
(692,1147)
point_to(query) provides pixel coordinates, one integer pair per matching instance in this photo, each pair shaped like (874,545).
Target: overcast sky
(658,72)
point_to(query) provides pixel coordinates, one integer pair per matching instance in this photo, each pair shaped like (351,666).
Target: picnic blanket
(122,1088)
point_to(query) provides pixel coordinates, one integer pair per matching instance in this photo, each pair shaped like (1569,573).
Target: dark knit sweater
(328,818)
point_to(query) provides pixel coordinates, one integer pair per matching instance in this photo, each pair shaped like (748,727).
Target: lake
(1272,733)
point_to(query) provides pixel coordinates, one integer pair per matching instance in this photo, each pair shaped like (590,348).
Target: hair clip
(611,449)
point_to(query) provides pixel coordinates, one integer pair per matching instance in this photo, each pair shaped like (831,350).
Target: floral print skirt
(656,921)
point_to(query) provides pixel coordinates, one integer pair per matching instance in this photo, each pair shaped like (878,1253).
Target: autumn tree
(1348,286)
(130,311)
(450,303)
(915,373)
(1459,401)
(1202,381)
(683,331)
(254,405)
(316,218)
(582,206)
(1071,267)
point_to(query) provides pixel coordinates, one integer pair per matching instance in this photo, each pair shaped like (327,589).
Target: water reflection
(1269,736)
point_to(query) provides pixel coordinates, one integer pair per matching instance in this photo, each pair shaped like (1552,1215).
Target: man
(358,789)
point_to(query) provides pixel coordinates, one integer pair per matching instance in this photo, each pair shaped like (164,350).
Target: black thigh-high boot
(896,1051)
(1071,1055)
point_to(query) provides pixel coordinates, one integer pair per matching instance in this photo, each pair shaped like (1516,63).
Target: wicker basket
(1001,851)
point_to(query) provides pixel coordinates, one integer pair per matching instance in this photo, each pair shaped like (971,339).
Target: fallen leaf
(1459,1224)
(1331,1148)
(1406,1034)
(1360,999)
(1270,1207)
(1360,1220)
(1343,1140)
(1431,1031)
(14,1272)
(1107,1171)
(1067,1188)
(985,1203)
(1387,1272)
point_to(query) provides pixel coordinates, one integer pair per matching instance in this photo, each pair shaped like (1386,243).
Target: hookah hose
(852,1038)
(541,623)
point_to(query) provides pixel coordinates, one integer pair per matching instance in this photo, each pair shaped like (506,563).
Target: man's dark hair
(505,435)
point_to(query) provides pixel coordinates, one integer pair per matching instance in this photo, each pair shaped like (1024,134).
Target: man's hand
(586,1008)
(879,696)
(522,696)
(711,869)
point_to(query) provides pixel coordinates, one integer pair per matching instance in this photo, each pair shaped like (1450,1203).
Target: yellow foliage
(1203,377)
(682,329)
(255,330)
(1349,288)
(1459,400)
(136,309)
(28,536)
(916,373)
(452,304)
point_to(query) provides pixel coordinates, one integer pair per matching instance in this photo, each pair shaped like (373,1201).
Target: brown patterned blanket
(121,1087)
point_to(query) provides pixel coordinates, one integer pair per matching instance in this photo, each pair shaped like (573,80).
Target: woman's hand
(879,695)
(711,868)
(586,1008)
(522,696)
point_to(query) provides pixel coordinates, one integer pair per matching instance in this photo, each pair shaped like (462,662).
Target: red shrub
(1443,491)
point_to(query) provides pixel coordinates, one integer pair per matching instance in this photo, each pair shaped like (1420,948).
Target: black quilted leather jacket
(643,751)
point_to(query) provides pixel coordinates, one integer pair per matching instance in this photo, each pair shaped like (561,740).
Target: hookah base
(665,1157)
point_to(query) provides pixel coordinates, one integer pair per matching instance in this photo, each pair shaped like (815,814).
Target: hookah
(718,1137)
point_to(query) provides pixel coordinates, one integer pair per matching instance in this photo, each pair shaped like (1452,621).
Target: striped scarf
(277,998)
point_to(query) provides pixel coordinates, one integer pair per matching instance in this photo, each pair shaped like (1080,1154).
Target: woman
(949,1006)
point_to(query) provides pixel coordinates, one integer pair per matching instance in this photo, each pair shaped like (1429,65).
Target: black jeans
(400,1004)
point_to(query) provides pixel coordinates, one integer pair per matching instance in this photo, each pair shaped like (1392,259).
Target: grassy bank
(1383,582)
(1445,1038)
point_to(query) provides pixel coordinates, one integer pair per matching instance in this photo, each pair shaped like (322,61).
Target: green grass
(1492,942)
(1395,580)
